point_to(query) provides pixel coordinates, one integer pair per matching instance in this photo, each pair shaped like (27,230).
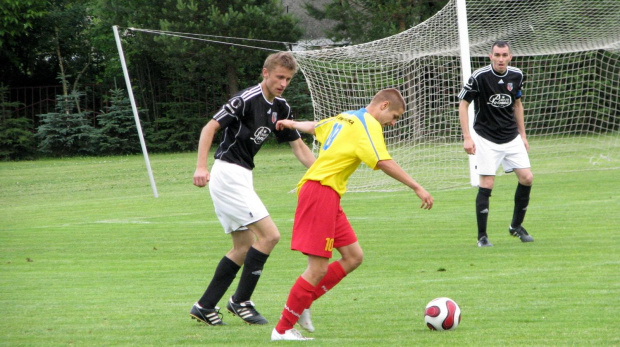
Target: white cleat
(289,335)
(305,321)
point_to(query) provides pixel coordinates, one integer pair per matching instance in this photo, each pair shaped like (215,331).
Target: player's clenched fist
(284,124)
(201,177)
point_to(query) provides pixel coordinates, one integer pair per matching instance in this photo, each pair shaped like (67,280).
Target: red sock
(335,274)
(299,298)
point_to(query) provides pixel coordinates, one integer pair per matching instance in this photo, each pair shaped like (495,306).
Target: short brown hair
(284,59)
(501,44)
(392,95)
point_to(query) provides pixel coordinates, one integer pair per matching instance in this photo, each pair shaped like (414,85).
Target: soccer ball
(442,314)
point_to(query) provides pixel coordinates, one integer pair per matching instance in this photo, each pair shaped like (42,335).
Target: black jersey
(494,97)
(247,119)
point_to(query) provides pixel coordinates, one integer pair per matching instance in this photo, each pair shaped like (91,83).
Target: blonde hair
(284,59)
(392,95)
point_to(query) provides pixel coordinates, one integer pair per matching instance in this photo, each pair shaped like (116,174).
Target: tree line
(179,83)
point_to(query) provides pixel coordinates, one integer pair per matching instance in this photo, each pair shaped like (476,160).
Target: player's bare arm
(392,169)
(468,143)
(519,118)
(201,175)
(302,152)
(303,126)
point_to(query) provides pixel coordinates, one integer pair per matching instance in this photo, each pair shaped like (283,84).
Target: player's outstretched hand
(427,199)
(201,177)
(284,124)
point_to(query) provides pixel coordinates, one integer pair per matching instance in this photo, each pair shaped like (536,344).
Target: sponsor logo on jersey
(500,81)
(260,135)
(500,100)
(345,119)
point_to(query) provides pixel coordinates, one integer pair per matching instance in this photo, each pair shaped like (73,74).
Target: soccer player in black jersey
(246,120)
(499,137)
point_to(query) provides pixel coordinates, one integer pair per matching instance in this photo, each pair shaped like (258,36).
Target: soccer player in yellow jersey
(320,224)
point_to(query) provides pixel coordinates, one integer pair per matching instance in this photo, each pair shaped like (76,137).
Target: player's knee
(527,179)
(353,260)
(319,272)
(271,239)
(358,259)
(314,273)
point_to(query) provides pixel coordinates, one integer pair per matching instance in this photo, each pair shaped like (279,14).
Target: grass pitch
(88,257)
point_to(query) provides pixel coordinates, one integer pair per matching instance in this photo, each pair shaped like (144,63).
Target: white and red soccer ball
(442,314)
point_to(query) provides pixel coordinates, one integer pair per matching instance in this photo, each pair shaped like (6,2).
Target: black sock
(225,273)
(522,200)
(252,269)
(482,210)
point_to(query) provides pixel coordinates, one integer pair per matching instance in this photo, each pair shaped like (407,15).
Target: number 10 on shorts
(329,244)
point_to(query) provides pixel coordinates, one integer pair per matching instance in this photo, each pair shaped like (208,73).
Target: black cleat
(211,316)
(246,311)
(521,234)
(484,242)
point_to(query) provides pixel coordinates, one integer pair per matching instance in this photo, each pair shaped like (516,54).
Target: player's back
(345,141)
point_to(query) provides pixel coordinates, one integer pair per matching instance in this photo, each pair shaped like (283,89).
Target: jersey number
(329,244)
(332,135)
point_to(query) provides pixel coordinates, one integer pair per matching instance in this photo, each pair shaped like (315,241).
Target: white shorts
(490,155)
(232,191)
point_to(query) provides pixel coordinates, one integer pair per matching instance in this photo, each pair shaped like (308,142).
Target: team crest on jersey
(509,86)
(274,117)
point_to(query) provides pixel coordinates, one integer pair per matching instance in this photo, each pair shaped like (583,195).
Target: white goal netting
(569,51)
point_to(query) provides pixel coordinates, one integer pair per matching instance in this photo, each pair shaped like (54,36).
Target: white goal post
(569,51)
(134,109)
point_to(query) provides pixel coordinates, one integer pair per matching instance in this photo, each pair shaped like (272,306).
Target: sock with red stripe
(299,298)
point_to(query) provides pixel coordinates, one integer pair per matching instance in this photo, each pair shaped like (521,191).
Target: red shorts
(320,224)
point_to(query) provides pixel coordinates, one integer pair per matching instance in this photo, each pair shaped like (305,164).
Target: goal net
(569,51)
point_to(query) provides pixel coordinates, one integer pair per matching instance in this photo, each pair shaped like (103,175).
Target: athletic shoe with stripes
(246,311)
(211,316)
(520,233)
(289,335)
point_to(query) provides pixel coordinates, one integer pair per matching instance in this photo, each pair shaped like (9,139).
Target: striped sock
(299,298)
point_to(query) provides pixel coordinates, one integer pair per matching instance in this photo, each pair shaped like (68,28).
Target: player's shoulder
(280,101)
(515,70)
(481,71)
(366,120)
(249,93)
(238,102)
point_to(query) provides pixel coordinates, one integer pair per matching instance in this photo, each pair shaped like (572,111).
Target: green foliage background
(179,83)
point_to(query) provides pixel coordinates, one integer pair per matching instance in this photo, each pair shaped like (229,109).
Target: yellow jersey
(346,140)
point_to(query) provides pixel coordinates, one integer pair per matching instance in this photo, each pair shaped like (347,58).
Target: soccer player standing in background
(320,224)
(498,123)
(246,120)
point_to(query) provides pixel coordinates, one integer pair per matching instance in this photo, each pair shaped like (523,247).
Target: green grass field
(88,257)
